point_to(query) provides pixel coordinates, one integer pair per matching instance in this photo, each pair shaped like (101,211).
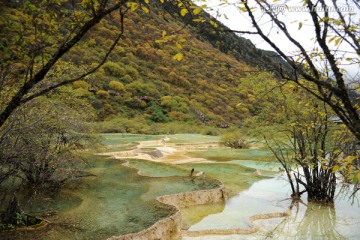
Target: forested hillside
(141,76)
(166,67)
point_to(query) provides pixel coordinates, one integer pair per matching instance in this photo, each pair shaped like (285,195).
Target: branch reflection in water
(310,220)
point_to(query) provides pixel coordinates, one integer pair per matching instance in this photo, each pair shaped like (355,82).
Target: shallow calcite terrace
(249,213)
(177,153)
(140,188)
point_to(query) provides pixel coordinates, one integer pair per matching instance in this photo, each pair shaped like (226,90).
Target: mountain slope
(142,78)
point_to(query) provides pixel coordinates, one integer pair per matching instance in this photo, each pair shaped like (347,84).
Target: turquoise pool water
(118,138)
(306,221)
(192,138)
(113,202)
(228,154)
(116,200)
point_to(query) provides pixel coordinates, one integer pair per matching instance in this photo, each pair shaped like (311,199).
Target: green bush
(125,125)
(126,79)
(234,140)
(102,94)
(81,84)
(113,69)
(132,72)
(81,92)
(157,114)
(211,131)
(95,103)
(105,85)
(117,86)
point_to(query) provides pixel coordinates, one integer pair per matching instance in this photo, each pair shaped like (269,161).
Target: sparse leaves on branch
(334,29)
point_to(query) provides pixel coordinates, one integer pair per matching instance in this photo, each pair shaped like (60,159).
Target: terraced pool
(117,200)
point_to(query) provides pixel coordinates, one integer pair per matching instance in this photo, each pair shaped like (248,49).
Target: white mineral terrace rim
(170,227)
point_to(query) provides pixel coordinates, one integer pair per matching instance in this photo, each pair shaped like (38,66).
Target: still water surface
(118,201)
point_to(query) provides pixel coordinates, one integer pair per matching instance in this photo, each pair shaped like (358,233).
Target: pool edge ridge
(171,226)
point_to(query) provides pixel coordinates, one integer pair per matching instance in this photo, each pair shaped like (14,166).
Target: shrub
(132,72)
(126,79)
(113,69)
(117,86)
(81,84)
(125,125)
(157,114)
(96,103)
(103,94)
(210,131)
(105,85)
(234,140)
(108,109)
(80,92)
(176,115)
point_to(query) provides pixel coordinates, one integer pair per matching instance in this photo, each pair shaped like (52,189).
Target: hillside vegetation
(141,78)
(196,76)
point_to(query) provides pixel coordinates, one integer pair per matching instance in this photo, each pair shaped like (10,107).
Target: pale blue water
(118,201)
(307,220)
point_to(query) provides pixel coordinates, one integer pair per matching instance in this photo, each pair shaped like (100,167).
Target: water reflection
(340,220)
(118,201)
(44,203)
(318,221)
(307,220)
